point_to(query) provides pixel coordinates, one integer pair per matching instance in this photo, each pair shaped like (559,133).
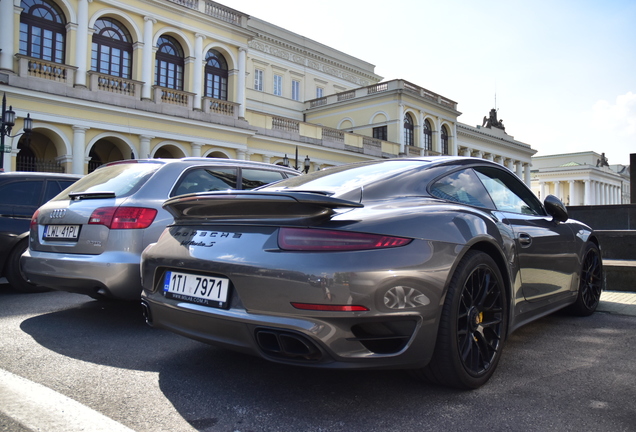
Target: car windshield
(346,177)
(121,179)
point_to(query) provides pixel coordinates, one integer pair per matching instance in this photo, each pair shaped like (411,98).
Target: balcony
(214,10)
(384,87)
(36,68)
(295,130)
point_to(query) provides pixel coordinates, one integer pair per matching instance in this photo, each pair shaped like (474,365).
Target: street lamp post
(8,121)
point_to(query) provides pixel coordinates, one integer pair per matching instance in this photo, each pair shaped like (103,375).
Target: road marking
(39,408)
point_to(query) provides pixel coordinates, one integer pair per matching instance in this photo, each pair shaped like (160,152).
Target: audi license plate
(61,232)
(204,290)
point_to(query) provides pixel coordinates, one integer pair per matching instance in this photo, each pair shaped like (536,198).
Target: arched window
(408,130)
(169,64)
(428,136)
(215,75)
(42,30)
(444,140)
(112,49)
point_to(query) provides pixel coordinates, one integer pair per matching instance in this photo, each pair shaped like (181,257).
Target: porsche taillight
(308,239)
(123,217)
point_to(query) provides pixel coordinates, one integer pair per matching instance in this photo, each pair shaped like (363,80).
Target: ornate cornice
(312,60)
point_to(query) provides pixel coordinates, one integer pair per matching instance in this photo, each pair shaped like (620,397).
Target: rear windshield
(121,179)
(346,177)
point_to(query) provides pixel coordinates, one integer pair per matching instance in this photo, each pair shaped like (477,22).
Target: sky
(561,73)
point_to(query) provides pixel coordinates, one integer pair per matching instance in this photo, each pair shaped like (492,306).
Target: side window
(54,187)
(206,180)
(462,187)
(508,193)
(253,178)
(21,193)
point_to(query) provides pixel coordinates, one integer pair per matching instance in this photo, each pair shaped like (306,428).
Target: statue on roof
(492,122)
(602,161)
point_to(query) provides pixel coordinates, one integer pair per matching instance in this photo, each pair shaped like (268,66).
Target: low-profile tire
(472,327)
(14,275)
(590,283)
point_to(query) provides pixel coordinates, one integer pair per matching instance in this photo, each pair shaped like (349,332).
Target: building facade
(584,178)
(106,81)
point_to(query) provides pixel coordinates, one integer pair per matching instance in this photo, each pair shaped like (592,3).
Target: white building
(583,178)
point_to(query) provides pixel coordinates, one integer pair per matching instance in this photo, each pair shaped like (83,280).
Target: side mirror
(555,208)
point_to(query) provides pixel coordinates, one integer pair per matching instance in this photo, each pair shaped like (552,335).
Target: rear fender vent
(287,345)
(385,337)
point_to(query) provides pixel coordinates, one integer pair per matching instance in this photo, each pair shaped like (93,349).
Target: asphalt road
(100,362)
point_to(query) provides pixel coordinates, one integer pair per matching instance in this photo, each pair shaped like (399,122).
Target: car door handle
(525,240)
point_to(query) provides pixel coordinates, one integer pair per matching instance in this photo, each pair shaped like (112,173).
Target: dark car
(425,264)
(89,239)
(21,193)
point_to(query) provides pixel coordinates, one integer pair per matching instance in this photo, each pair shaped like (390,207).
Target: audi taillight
(123,217)
(307,239)
(34,219)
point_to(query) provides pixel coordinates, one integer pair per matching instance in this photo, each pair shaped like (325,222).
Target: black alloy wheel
(590,282)
(480,320)
(472,327)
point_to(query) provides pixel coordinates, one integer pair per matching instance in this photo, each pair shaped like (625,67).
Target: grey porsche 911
(424,264)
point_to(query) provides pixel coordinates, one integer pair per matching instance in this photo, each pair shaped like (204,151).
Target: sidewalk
(618,302)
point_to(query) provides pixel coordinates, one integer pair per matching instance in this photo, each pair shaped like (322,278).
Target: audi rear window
(120,179)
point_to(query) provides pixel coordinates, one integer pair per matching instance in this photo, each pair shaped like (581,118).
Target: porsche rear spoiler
(249,207)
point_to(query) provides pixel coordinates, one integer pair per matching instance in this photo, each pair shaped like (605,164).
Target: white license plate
(61,232)
(205,290)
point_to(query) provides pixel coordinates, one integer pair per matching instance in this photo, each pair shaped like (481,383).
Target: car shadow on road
(110,333)
(214,389)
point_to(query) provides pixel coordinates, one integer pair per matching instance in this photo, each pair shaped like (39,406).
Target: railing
(33,164)
(289,125)
(418,151)
(346,95)
(333,134)
(382,87)
(371,142)
(113,84)
(219,106)
(191,4)
(173,97)
(318,102)
(32,67)
(223,13)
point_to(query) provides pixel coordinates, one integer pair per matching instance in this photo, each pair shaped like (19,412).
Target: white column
(542,190)
(401,128)
(79,148)
(479,154)
(196,149)
(82,43)
(146,62)
(452,141)
(526,174)
(240,90)
(572,198)
(509,164)
(588,192)
(199,61)
(466,152)
(7,35)
(597,193)
(519,169)
(240,154)
(144,146)
(557,189)
(267,158)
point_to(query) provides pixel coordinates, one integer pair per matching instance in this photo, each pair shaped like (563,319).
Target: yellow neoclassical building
(105,80)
